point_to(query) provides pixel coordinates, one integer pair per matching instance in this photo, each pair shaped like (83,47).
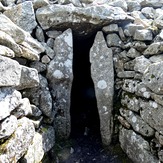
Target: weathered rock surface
(59,73)
(90,18)
(16,146)
(23,16)
(136,147)
(103,77)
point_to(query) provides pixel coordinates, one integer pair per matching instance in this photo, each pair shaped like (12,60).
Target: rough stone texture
(90,18)
(130,85)
(152,114)
(7,52)
(10,72)
(9,100)
(7,26)
(137,123)
(136,147)
(60,75)
(16,146)
(133,53)
(145,35)
(153,76)
(8,126)
(40,3)
(23,16)
(103,77)
(114,40)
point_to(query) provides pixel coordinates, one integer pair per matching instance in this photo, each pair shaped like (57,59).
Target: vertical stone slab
(60,76)
(102,73)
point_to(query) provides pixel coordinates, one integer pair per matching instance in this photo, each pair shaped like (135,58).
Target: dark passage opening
(83,111)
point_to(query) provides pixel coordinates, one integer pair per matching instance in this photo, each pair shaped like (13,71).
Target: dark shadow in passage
(83,111)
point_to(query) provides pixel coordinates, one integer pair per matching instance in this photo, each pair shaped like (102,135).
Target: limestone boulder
(153,76)
(23,16)
(137,149)
(59,73)
(88,18)
(102,73)
(9,100)
(5,51)
(17,145)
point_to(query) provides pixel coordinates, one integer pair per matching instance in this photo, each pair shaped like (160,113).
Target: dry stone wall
(36,60)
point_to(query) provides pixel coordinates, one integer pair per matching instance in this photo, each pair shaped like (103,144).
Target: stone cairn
(36,56)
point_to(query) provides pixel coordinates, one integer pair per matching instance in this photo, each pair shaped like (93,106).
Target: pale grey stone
(24,108)
(159,137)
(154,48)
(48,50)
(133,53)
(7,52)
(10,72)
(123,122)
(8,41)
(8,2)
(133,6)
(152,3)
(37,122)
(121,34)
(129,65)
(59,73)
(131,101)
(119,3)
(160,155)
(130,29)
(141,64)
(103,78)
(40,34)
(126,74)
(7,26)
(143,35)
(40,3)
(23,16)
(17,145)
(148,12)
(114,40)
(136,147)
(45,59)
(130,85)
(137,123)
(3,8)
(91,18)
(29,78)
(53,33)
(153,76)
(50,42)
(8,126)
(152,114)
(157,98)
(156,58)
(9,100)
(110,28)
(36,112)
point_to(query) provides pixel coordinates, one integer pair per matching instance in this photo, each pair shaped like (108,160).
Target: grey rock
(48,50)
(114,40)
(143,35)
(23,16)
(133,6)
(40,34)
(141,64)
(130,85)
(103,78)
(40,3)
(119,3)
(50,42)
(45,59)
(129,65)
(153,77)
(133,53)
(160,155)
(9,100)
(8,126)
(137,149)
(39,66)
(159,137)
(17,145)
(8,2)
(7,26)
(126,74)
(110,28)
(157,98)
(29,78)
(152,114)
(36,112)
(156,58)
(137,123)
(10,72)
(53,33)
(152,3)
(5,51)
(154,48)
(91,18)
(59,73)
(131,101)
(148,12)
(124,122)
